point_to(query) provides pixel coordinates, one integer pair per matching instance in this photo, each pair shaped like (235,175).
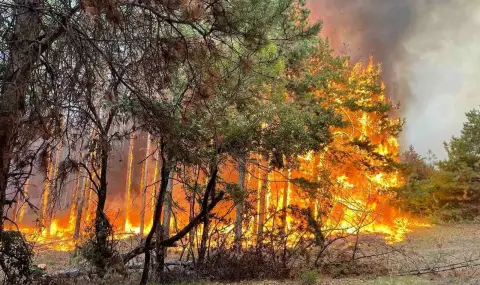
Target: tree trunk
(50,202)
(286,193)
(82,190)
(202,251)
(163,232)
(47,188)
(153,192)
(239,207)
(167,214)
(263,203)
(128,184)
(21,211)
(183,232)
(191,234)
(257,175)
(144,187)
(102,225)
(22,57)
(165,172)
(312,199)
(74,199)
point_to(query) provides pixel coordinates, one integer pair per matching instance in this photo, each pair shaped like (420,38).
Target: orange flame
(349,195)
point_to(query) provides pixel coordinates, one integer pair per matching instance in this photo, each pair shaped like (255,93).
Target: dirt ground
(438,249)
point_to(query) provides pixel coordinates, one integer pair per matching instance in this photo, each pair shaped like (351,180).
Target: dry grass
(424,248)
(54,260)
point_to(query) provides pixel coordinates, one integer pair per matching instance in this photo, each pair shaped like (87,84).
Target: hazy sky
(430,54)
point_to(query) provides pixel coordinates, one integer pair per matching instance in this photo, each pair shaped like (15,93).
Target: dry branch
(443,268)
(171,241)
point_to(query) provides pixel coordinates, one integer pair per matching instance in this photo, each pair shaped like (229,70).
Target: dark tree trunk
(160,253)
(102,225)
(202,251)
(167,213)
(165,173)
(163,232)
(205,208)
(22,56)
(80,198)
(191,234)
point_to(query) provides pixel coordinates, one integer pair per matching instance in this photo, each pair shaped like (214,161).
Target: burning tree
(333,190)
(126,57)
(212,117)
(361,163)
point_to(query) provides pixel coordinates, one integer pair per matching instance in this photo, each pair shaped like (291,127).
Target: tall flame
(345,187)
(128,193)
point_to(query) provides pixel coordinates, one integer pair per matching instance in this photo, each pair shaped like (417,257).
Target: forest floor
(444,254)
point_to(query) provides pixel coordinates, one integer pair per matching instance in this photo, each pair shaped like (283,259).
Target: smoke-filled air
(239,142)
(430,55)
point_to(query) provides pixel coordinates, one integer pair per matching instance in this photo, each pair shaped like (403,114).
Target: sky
(430,56)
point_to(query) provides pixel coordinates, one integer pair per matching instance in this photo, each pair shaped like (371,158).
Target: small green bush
(309,277)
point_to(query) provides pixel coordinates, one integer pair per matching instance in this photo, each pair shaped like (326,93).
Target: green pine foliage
(447,190)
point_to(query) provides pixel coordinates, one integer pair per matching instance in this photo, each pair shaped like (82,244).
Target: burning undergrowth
(345,188)
(237,131)
(286,214)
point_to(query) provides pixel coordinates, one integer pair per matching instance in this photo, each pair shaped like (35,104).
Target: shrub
(102,256)
(249,264)
(15,258)
(309,277)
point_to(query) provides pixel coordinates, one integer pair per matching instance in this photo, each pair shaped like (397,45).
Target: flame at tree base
(351,177)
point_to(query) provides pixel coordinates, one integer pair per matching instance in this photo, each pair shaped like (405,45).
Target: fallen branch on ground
(443,268)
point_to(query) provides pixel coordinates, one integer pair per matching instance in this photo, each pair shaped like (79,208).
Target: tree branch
(171,241)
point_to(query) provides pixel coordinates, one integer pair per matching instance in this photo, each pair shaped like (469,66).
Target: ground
(426,249)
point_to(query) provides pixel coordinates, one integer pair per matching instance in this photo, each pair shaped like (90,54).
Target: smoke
(430,55)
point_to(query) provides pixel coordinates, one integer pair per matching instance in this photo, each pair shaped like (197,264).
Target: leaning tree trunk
(202,251)
(239,207)
(204,209)
(21,58)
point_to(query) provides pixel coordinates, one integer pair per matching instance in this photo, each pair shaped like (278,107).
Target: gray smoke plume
(430,56)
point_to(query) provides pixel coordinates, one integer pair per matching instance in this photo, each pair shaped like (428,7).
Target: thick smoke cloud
(430,54)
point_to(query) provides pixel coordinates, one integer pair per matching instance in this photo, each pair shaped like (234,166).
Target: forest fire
(230,142)
(346,194)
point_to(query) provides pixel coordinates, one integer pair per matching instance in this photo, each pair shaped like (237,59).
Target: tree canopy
(448,189)
(215,85)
